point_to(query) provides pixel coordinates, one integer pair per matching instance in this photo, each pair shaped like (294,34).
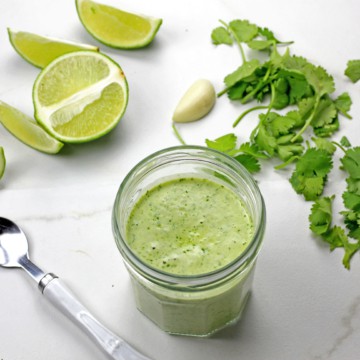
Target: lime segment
(115,27)
(80,96)
(40,50)
(2,162)
(27,130)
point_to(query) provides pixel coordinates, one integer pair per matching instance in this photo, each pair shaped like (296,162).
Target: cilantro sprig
(310,174)
(243,32)
(246,154)
(352,70)
(320,220)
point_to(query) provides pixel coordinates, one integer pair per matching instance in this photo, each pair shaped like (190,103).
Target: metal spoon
(14,253)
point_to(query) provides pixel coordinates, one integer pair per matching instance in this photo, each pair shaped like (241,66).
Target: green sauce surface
(189,226)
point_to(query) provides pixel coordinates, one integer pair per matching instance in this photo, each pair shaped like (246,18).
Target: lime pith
(40,50)
(115,27)
(80,96)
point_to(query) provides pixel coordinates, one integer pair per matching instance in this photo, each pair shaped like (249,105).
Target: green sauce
(189,226)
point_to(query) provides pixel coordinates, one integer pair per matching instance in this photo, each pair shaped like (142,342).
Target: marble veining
(347,330)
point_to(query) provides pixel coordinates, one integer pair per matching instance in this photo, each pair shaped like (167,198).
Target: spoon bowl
(13,244)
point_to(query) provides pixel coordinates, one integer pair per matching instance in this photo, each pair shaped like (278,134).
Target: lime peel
(2,162)
(40,50)
(115,27)
(27,130)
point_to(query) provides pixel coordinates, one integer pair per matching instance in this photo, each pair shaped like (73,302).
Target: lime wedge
(27,130)
(40,50)
(80,96)
(115,27)
(2,162)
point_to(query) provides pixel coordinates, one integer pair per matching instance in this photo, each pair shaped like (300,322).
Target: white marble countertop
(304,305)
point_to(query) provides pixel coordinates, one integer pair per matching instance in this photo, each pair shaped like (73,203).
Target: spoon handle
(65,301)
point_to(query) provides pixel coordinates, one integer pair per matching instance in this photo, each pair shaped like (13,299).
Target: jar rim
(157,275)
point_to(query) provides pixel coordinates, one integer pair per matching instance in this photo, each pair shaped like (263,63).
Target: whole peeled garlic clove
(198,100)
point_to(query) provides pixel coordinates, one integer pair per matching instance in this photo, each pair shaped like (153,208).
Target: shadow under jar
(189,223)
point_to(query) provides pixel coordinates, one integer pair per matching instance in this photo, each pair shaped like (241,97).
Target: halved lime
(40,50)
(115,27)
(27,130)
(2,162)
(80,96)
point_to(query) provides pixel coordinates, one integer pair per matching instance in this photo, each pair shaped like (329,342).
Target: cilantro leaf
(253,150)
(352,70)
(324,144)
(265,140)
(321,215)
(335,237)
(225,143)
(237,91)
(351,162)
(327,129)
(243,30)
(311,172)
(249,162)
(350,250)
(299,88)
(275,132)
(220,35)
(260,44)
(324,114)
(351,201)
(352,222)
(242,72)
(345,142)
(247,154)
(306,107)
(320,220)
(319,79)
(353,185)
(286,152)
(314,162)
(343,104)
(281,125)
(310,187)
(269,35)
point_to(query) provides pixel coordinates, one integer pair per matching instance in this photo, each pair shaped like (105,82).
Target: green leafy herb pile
(303,91)
(321,212)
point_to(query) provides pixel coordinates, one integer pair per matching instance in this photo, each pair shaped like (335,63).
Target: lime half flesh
(80,96)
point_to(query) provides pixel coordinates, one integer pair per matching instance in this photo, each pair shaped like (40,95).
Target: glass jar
(196,305)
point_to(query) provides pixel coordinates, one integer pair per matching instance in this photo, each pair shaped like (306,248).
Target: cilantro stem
(242,115)
(177,134)
(286,163)
(308,121)
(348,116)
(339,146)
(222,92)
(238,42)
(269,107)
(265,80)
